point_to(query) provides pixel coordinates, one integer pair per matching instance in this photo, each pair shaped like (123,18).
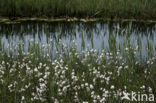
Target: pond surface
(97,35)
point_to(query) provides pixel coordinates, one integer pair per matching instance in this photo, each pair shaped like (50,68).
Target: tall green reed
(79,8)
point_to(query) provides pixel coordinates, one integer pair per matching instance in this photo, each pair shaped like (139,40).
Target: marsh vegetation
(76,62)
(127,9)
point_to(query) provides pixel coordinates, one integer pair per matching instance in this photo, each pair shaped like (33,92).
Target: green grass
(139,9)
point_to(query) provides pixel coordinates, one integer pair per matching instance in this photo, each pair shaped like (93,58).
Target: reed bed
(72,76)
(138,9)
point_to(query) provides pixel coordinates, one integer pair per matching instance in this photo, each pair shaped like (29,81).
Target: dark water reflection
(95,35)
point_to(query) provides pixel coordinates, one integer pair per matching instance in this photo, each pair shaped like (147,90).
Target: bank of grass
(139,9)
(72,76)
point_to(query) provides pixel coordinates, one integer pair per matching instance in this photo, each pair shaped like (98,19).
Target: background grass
(144,9)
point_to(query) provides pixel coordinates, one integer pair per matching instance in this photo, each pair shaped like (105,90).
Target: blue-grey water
(96,35)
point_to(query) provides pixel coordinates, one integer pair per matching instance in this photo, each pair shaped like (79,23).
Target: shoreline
(18,20)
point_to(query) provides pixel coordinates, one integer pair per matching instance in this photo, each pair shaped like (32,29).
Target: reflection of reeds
(112,36)
(79,8)
(141,51)
(66,28)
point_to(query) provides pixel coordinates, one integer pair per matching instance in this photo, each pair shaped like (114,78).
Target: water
(96,35)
